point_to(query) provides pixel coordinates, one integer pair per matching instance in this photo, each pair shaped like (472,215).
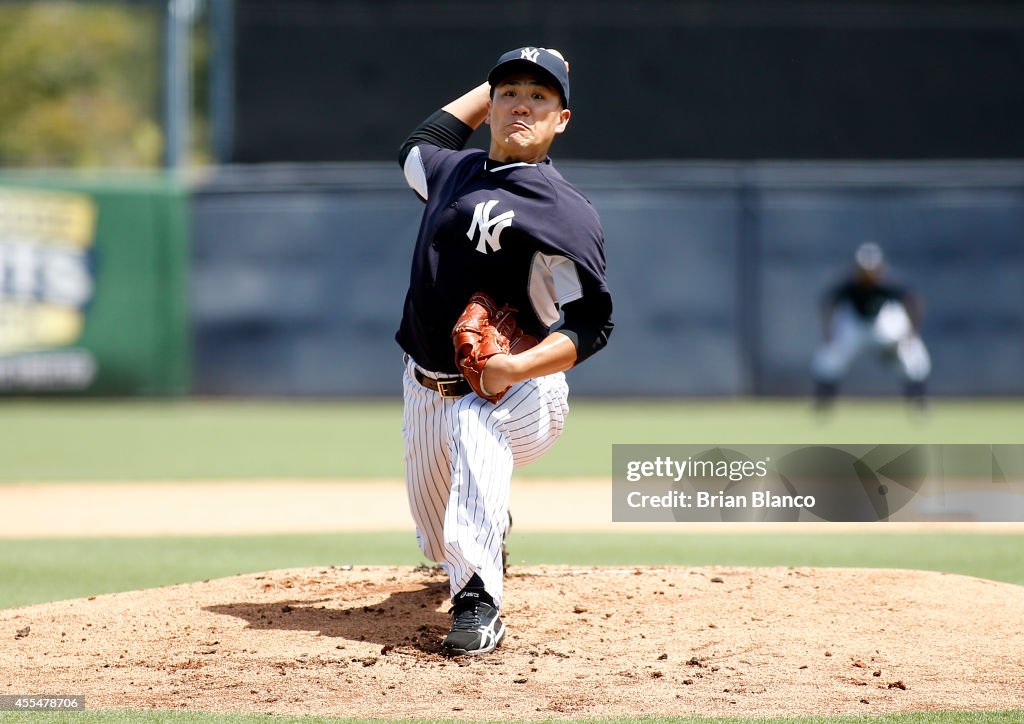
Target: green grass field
(42,440)
(1006,717)
(188,440)
(34,571)
(225,439)
(88,717)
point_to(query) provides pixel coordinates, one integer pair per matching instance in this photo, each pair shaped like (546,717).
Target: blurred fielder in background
(864,311)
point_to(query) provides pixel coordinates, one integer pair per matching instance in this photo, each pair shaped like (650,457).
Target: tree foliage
(80,84)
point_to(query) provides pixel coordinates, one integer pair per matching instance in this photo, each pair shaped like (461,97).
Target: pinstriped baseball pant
(459,457)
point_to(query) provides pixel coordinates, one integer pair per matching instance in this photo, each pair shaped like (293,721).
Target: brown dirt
(590,642)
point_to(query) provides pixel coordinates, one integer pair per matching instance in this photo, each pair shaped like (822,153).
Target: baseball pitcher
(507,291)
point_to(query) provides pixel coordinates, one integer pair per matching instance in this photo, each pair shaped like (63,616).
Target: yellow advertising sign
(45,278)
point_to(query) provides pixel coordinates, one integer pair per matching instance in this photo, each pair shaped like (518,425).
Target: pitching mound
(364,642)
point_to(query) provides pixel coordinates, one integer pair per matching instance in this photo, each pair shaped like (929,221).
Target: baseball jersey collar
(493,166)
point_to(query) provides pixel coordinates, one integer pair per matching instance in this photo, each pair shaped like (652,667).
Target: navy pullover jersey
(865,298)
(517,231)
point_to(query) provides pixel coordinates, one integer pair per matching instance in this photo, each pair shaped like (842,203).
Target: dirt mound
(364,642)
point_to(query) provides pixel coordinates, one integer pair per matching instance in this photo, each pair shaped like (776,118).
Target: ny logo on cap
(530,54)
(490,227)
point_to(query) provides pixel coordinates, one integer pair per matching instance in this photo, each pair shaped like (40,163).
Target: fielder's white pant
(459,457)
(891,331)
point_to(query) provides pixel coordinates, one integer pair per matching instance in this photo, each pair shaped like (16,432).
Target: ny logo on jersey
(530,54)
(490,228)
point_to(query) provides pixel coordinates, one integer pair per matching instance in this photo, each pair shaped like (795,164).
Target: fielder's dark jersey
(517,231)
(865,298)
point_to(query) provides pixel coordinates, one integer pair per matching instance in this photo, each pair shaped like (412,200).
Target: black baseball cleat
(916,394)
(476,626)
(825,395)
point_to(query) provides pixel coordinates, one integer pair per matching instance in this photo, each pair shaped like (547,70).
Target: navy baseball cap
(530,59)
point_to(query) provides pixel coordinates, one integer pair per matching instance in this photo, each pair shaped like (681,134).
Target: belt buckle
(443,388)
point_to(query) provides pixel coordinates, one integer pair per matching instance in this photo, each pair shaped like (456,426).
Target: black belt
(453,387)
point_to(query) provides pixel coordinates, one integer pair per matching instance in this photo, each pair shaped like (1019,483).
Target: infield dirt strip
(268,507)
(364,642)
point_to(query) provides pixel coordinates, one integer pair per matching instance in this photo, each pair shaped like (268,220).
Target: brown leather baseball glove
(483,331)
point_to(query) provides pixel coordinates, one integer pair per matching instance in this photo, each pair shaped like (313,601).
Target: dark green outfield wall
(124,281)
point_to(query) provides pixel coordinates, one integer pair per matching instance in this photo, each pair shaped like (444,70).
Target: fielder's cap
(869,256)
(550,63)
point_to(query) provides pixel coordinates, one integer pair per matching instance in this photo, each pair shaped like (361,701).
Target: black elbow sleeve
(587,322)
(441,129)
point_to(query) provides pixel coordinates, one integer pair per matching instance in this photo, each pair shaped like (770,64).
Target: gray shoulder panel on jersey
(554,281)
(416,173)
